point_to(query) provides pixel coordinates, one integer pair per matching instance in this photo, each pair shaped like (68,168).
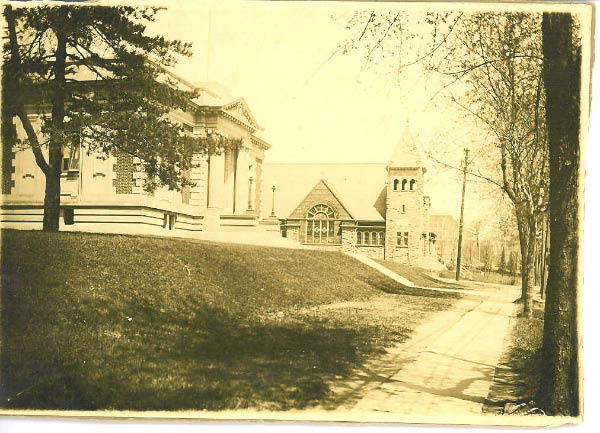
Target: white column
(241,188)
(199,176)
(228,182)
(212,221)
(215,181)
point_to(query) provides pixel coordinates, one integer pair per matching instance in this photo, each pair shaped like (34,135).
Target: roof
(361,188)
(212,94)
(407,152)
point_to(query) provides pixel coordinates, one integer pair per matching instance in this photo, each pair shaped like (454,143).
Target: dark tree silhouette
(559,386)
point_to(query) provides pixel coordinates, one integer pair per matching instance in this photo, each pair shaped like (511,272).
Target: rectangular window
(376,238)
(70,160)
(65,164)
(402,239)
(169,221)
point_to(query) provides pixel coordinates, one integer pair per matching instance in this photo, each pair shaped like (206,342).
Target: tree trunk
(528,273)
(527,228)
(52,199)
(559,392)
(56,142)
(545,258)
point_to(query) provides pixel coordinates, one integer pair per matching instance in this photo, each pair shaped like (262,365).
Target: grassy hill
(122,322)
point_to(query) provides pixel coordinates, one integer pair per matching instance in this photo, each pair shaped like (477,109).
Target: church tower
(406,210)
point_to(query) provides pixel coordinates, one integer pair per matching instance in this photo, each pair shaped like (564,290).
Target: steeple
(407,153)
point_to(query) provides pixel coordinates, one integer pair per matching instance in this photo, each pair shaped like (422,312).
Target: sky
(316,104)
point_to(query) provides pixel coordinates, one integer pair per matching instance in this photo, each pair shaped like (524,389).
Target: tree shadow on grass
(394,288)
(212,362)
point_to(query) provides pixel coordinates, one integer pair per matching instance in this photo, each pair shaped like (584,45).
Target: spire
(407,152)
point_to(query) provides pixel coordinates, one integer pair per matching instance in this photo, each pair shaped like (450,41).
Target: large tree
(559,392)
(97,80)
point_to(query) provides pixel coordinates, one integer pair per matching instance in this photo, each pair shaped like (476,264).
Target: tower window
(412,184)
(402,239)
(403,208)
(396,182)
(404,182)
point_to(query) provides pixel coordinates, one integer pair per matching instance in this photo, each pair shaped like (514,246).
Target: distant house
(379,210)
(102,194)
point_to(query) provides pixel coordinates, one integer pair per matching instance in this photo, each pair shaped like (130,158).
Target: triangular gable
(239,109)
(324,194)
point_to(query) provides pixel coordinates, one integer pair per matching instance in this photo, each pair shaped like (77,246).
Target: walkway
(446,368)
(400,279)
(389,273)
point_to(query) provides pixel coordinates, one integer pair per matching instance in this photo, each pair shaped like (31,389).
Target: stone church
(379,210)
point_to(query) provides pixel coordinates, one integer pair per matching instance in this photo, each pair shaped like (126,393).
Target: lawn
(417,275)
(488,277)
(122,322)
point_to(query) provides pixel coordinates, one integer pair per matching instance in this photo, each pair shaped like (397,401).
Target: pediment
(239,109)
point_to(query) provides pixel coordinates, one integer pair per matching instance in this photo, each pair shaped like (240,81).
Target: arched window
(359,237)
(404,182)
(412,184)
(396,182)
(380,238)
(320,225)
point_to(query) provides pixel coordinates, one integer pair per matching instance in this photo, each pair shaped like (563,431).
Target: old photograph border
(584,12)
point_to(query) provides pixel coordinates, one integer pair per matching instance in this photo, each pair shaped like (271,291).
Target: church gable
(321,193)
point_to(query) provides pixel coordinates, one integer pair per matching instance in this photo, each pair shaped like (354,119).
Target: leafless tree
(491,67)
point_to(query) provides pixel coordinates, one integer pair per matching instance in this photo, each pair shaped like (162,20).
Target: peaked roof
(333,192)
(360,187)
(407,152)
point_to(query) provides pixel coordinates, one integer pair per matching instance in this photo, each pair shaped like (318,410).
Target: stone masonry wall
(292,232)
(372,251)
(404,213)
(123,169)
(348,238)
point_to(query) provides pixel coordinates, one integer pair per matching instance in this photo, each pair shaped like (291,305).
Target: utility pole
(462,215)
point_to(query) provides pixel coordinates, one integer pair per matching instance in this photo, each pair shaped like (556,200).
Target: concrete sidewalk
(389,273)
(400,279)
(446,368)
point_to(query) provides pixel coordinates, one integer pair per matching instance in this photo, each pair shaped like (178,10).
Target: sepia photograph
(294,211)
